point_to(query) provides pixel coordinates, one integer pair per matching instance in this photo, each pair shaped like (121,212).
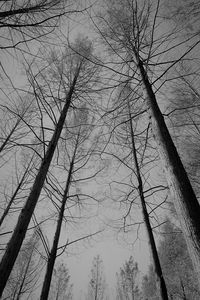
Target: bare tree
(131,146)
(78,131)
(76,71)
(127,286)
(131,32)
(97,285)
(161,285)
(61,288)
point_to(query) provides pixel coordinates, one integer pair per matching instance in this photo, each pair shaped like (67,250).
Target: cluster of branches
(24,21)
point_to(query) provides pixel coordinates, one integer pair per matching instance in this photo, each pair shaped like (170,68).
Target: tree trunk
(185,201)
(18,236)
(157,266)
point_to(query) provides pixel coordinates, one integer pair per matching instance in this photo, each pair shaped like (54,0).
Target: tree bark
(19,233)
(185,201)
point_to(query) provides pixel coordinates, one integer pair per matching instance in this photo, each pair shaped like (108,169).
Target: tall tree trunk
(185,201)
(53,253)
(19,233)
(157,266)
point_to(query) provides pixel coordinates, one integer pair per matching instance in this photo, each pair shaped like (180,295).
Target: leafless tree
(76,141)
(130,132)
(61,288)
(127,286)
(132,33)
(77,83)
(97,284)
